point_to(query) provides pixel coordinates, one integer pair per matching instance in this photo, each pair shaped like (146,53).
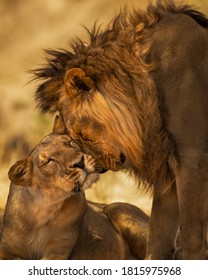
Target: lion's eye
(85,137)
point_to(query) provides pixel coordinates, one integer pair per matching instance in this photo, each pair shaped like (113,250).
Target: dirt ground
(26,29)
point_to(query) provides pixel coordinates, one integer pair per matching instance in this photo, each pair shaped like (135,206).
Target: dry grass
(26,28)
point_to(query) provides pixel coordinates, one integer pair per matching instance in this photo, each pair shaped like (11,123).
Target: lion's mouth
(110,162)
(103,170)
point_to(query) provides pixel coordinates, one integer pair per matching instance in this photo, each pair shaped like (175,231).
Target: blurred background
(26,29)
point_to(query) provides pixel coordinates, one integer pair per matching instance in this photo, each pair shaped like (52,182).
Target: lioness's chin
(90,179)
(77,188)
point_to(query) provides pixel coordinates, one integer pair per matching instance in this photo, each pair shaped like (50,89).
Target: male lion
(48,217)
(136,97)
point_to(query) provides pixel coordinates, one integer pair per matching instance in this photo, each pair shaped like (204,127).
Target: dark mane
(164,7)
(126,29)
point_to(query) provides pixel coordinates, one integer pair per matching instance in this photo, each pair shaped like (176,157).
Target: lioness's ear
(76,81)
(20,173)
(58,126)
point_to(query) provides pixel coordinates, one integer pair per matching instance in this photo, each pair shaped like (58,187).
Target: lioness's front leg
(163,225)
(61,246)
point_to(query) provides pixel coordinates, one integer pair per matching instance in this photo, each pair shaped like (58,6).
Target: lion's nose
(122,158)
(80,163)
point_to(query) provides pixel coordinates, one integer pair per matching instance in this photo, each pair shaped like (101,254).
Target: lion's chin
(101,171)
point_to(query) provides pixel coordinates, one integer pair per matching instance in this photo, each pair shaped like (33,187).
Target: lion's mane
(124,77)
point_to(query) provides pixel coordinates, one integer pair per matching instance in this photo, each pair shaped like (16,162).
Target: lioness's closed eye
(55,163)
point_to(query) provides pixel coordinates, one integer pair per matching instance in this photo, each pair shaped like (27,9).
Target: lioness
(48,217)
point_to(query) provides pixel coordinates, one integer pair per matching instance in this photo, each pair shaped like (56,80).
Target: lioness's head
(56,162)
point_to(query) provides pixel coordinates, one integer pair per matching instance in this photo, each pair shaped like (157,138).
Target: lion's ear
(58,126)
(76,81)
(21,172)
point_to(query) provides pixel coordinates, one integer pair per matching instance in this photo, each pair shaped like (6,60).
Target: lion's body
(136,97)
(48,217)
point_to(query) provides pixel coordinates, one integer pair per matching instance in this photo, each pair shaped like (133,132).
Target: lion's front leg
(163,225)
(192,189)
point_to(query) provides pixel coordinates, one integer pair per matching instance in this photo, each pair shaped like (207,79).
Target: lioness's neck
(51,195)
(42,205)
(49,202)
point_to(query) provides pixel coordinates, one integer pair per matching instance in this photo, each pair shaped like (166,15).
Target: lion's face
(56,162)
(91,122)
(93,138)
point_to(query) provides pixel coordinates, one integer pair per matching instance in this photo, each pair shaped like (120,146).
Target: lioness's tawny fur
(48,217)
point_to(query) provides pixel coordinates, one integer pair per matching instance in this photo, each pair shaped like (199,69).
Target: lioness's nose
(80,163)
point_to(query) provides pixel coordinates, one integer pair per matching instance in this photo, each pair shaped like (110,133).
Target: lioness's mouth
(77,188)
